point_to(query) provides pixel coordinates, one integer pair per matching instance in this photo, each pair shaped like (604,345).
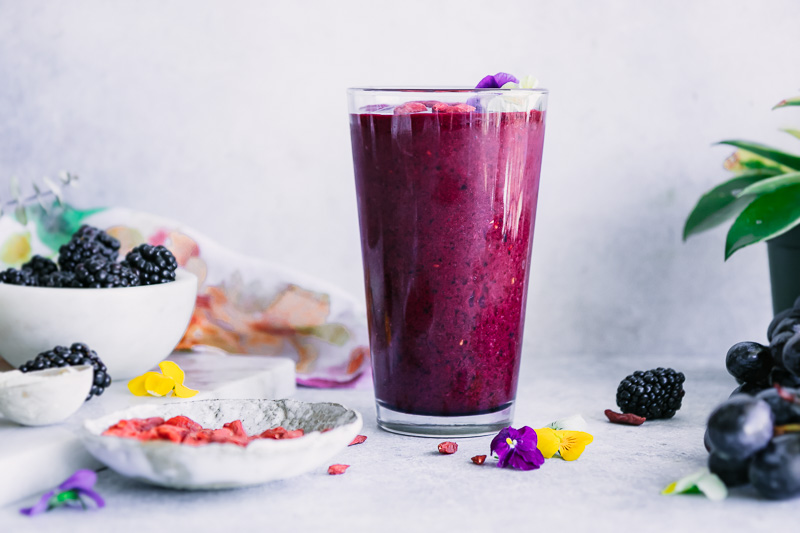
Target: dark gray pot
(784,268)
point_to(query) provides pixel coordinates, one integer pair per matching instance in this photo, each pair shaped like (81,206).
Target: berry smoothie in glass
(447,182)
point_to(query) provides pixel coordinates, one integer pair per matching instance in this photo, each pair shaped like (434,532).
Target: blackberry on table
(77,354)
(86,243)
(13,276)
(154,264)
(40,266)
(652,394)
(99,273)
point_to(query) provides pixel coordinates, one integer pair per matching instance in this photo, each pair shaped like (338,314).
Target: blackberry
(154,264)
(40,267)
(99,273)
(13,276)
(652,394)
(77,354)
(59,279)
(86,243)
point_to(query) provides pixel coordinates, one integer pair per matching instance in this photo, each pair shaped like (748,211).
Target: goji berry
(628,419)
(448,447)
(335,470)
(479,459)
(358,440)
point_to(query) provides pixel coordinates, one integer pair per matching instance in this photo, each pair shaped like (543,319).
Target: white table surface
(400,483)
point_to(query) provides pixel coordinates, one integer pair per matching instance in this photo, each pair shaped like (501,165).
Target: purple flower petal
(522,461)
(501,78)
(94,496)
(487,82)
(81,479)
(41,506)
(496,81)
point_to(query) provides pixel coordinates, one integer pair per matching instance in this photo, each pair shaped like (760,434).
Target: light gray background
(231,116)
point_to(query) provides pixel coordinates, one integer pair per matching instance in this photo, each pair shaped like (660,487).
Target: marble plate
(219,466)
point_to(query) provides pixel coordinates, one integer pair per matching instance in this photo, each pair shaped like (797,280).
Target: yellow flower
(170,381)
(569,444)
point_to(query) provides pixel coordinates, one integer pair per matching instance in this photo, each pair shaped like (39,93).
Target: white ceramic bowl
(130,328)
(44,397)
(219,466)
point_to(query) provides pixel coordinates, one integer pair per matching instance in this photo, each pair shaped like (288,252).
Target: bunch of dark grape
(88,261)
(754,436)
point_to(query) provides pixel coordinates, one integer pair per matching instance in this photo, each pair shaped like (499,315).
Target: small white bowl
(130,328)
(44,397)
(220,466)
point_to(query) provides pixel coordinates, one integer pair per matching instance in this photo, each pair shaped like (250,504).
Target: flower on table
(517,448)
(71,493)
(699,482)
(169,382)
(568,444)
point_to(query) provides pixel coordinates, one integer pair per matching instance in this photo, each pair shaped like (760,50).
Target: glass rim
(453,90)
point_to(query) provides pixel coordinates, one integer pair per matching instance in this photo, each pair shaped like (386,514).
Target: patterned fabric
(244,305)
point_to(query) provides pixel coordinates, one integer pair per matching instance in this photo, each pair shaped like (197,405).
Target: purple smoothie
(446,204)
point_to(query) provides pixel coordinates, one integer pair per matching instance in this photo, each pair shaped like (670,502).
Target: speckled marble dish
(219,466)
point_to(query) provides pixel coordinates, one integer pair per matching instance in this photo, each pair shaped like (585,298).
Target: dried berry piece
(358,440)
(448,447)
(479,459)
(335,470)
(410,107)
(628,419)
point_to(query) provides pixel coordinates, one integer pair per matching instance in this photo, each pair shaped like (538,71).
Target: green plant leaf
(767,216)
(792,132)
(788,102)
(771,184)
(56,227)
(782,158)
(722,202)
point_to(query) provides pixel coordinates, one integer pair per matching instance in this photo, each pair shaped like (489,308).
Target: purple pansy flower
(517,448)
(68,494)
(496,81)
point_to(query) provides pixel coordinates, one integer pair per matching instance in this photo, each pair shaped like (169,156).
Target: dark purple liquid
(446,203)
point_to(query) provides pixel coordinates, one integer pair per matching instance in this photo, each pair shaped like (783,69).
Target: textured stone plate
(218,466)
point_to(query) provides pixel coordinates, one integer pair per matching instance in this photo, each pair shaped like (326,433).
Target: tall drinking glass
(447,182)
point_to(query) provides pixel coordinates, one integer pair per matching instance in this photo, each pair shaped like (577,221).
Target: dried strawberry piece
(294,434)
(280,433)
(455,108)
(171,433)
(274,433)
(184,422)
(148,434)
(335,470)
(448,447)
(358,440)
(479,459)
(198,438)
(410,107)
(628,419)
(236,427)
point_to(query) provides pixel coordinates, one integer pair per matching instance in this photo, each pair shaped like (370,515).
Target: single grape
(783,411)
(791,355)
(775,470)
(776,320)
(740,426)
(750,389)
(749,362)
(732,472)
(776,347)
